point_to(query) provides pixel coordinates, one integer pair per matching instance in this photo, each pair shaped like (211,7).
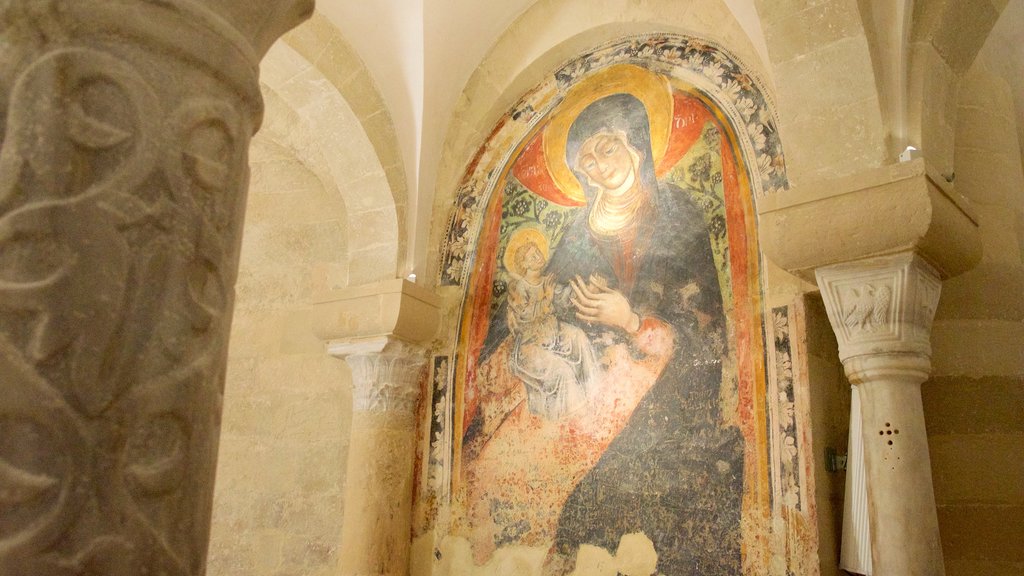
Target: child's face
(533,258)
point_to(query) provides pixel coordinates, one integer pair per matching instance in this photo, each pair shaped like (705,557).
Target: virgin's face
(607,160)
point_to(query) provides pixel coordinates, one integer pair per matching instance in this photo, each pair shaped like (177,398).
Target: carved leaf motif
(210,173)
(48,494)
(30,282)
(207,295)
(92,133)
(107,556)
(29,256)
(81,298)
(158,455)
(18,486)
(208,134)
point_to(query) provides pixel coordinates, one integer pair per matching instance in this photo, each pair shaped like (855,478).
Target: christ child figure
(554,359)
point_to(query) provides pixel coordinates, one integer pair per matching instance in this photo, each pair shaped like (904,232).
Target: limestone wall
(975,400)
(278,506)
(829,393)
(828,103)
(325,211)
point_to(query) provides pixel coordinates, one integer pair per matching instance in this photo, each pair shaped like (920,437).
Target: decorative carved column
(878,243)
(881,310)
(378,502)
(122,184)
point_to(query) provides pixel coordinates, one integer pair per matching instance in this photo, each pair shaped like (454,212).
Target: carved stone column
(378,503)
(878,243)
(881,310)
(122,183)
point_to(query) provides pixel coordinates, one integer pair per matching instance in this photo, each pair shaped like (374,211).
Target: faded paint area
(522,503)
(634,556)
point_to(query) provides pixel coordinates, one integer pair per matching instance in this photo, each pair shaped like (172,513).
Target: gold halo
(519,239)
(651,89)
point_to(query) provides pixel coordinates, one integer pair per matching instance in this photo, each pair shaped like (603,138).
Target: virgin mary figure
(651,452)
(639,259)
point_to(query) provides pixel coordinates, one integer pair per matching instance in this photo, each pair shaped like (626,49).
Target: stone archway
(323,214)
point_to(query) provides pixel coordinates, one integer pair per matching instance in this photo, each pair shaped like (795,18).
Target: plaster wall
(449,554)
(974,401)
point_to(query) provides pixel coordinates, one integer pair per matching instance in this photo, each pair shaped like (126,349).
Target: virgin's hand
(600,304)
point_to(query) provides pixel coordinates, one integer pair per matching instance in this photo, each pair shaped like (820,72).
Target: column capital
(377,329)
(881,310)
(385,373)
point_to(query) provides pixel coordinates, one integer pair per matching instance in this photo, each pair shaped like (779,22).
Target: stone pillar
(122,184)
(378,495)
(882,310)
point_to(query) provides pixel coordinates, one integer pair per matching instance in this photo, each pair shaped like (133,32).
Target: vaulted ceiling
(421,53)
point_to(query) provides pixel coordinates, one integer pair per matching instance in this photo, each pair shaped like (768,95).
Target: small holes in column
(888,431)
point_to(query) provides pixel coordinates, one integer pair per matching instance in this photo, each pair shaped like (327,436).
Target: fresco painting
(611,349)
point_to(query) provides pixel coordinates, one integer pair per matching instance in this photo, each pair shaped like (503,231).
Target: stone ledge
(898,208)
(394,307)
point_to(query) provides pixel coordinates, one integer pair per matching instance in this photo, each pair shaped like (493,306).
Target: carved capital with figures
(881,310)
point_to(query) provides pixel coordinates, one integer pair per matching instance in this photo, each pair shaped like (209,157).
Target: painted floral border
(439,458)
(785,439)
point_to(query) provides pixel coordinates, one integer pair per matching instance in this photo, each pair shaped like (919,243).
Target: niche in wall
(611,388)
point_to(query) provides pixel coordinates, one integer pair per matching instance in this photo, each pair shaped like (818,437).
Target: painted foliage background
(557,432)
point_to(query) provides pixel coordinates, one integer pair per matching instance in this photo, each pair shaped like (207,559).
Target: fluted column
(378,501)
(882,310)
(122,184)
